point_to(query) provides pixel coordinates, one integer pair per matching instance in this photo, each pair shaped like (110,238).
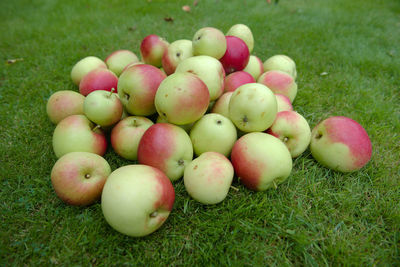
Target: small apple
(119,59)
(125,136)
(261,161)
(280,83)
(137,88)
(236,56)
(293,130)
(152,49)
(76,133)
(254,67)
(221,106)
(283,102)
(64,103)
(243,32)
(177,51)
(166,147)
(213,132)
(84,66)
(209,70)
(209,41)
(137,199)
(208,178)
(236,79)
(98,79)
(282,63)
(182,98)
(252,107)
(341,144)
(78,177)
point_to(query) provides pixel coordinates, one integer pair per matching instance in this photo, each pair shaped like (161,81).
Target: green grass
(318,217)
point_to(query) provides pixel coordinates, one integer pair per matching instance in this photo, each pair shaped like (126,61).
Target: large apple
(282,63)
(341,144)
(293,130)
(209,70)
(182,98)
(208,178)
(213,132)
(261,161)
(243,32)
(209,41)
(254,67)
(152,49)
(166,147)
(236,79)
(119,59)
(78,177)
(137,199)
(76,133)
(126,134)
(84,66)
(221,106)
(176,52)
(98,79)
(236,56)
(137,88)
(280,83)
(252,107)
(64,103)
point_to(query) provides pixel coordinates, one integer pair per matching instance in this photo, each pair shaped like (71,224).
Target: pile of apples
(205,110)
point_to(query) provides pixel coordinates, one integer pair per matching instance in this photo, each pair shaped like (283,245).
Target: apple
(283,102)
(213,132)
(182,98)
(152,49)
(261,161)
(282,63)
(236,56)
(252,107)
(78,177)
(84,66)
(176,52)
(221,106)
(280,83)
(98,79)
(137,88)
(137,199)
(209,70)
(76,133)
(208,178)
(126,134)
(103,108)
(209,41)
(293,130)
(236,79)
(119,59)
(64,103)
(186,127)
(254,67)
(166,147)
(341,144)
(243,32)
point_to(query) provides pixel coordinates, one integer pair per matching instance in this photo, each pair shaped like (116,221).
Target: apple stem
(96,127)
(235,188)
(275,185)
(111,92)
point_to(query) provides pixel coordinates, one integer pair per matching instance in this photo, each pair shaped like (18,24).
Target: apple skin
(176,52)
(137,199)
(280,83)
(152,49)
(283,102)
(213,132)
(182,98)
(64,103)
(209,41)
(236,56)
(341,144)
(208,178)
(137,87)
(209,70)
(126,135)
(282,63)
(103,108)
(186,127)
(236,79)
(252,107)
(261,161)
(243,32)
(84,66)
(78,177)
(98,79)
(76,133)
(118,60)
(221,106)
(167,147)
(293,130)
(255,67)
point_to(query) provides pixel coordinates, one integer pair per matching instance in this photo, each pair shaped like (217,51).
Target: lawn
(347,55)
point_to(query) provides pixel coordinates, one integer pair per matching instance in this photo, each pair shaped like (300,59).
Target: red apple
(64,103)
(236,56)
(152,49)
(236,79)
(98,79)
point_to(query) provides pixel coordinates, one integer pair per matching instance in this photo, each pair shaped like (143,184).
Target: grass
(317,218)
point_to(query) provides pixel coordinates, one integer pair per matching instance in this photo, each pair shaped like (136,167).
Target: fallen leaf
(186,8)
(14,60)
(169,19)
(195,2)
(133,28)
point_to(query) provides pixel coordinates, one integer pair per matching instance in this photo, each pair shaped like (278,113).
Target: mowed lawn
(348,63)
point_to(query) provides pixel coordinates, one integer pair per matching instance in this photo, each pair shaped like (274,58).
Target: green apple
(243,32)
(119,59)
(209,41)
(282,63)
(64,103)
(84,66)
(176,52)
(255,67)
